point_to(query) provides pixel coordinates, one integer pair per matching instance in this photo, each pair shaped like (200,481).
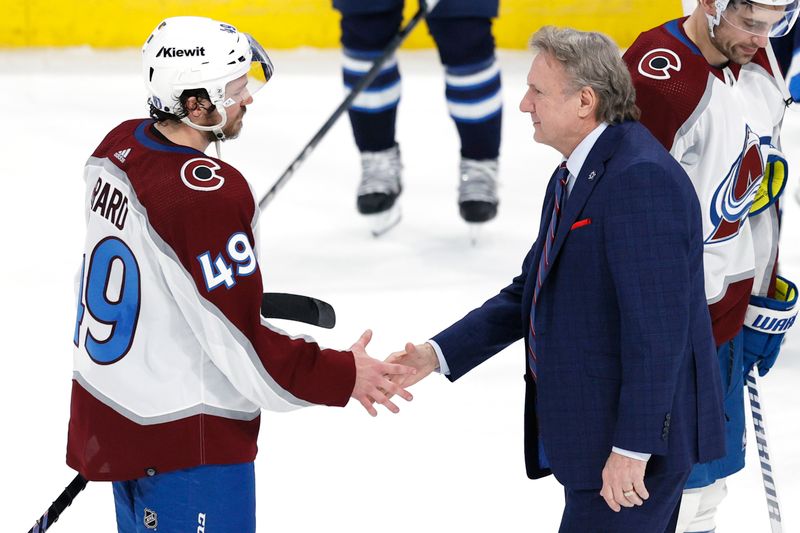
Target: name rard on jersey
(171,51)
(110,203)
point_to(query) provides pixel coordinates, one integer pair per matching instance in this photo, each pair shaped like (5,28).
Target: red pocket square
(581,223)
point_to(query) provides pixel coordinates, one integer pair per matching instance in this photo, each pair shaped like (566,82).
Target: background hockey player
(462,30)
(787,51)
(172,360)
(710,90)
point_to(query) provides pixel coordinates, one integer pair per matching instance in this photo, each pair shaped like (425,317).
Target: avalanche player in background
(787,51)
(172,360)
(462,30)
(710,90)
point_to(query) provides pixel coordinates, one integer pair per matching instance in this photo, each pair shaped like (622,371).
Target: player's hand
(372,378)
(623,482)
(422,357)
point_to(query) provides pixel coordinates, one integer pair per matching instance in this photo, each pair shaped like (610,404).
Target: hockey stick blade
(298,308)
(57,507)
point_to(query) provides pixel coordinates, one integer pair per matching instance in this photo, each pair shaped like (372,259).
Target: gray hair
(591,59)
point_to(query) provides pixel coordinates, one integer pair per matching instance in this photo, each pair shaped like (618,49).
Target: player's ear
(194,107)
(708,6)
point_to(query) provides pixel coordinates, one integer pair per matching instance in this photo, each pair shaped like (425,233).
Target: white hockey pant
(699,506)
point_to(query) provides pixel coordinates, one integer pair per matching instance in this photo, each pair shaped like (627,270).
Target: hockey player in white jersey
(710,90)
(172,360)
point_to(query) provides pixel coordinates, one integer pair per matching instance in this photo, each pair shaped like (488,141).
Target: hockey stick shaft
(57,507)
(354,92)
(767,476)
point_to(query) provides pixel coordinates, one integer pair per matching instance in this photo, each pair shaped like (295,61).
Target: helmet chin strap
(713,21)
(216,129)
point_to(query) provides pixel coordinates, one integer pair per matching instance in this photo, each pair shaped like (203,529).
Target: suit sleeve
(648,244)
(486,330)
(219,289)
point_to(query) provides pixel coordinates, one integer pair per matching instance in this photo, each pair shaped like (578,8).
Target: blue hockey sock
(373,113)
(473,87)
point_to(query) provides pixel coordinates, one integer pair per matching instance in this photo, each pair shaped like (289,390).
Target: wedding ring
(628,493)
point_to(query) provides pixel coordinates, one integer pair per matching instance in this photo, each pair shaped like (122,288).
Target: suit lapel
(590,175)
(577,200)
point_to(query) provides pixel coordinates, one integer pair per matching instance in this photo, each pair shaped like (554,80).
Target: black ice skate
(380,188)
(477,192)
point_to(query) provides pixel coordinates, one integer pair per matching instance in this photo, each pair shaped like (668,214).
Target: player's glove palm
(774,182)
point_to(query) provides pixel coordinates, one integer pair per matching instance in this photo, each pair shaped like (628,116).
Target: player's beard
(231,129)
(732,50)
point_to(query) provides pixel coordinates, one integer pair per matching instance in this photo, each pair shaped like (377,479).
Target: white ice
(452,459)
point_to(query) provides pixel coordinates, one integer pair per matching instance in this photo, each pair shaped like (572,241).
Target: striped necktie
(544,260)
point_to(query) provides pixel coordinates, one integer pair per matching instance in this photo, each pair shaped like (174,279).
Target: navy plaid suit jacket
(625,352)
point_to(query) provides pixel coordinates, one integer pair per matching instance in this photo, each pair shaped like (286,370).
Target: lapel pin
(592,174)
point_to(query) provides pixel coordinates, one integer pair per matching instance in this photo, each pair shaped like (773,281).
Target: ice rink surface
(452,459)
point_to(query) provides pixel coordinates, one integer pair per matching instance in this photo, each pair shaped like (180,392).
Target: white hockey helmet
(186,53)
(763,18)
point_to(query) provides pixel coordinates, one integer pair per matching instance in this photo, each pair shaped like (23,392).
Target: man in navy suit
(623,392)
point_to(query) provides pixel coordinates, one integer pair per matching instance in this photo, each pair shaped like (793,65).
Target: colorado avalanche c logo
(200,174)
(734,196)
(657,63)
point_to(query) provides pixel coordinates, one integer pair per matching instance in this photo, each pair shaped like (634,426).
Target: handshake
(378,382)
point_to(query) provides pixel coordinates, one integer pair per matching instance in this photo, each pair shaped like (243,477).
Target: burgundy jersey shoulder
(670,76)
(762,59)
(115,136)
(190,198)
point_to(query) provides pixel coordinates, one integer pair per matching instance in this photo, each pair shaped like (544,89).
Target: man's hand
(372,378)
(623,482)
(421,357)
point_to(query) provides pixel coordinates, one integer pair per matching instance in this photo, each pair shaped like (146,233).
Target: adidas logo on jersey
(122,154)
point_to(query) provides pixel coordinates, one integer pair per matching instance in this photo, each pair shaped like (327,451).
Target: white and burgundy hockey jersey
(719,124)
(172,360)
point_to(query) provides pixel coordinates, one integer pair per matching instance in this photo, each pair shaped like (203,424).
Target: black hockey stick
(354,92)
(57,507)
(298,308)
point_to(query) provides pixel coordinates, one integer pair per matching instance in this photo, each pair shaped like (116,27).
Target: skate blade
(381,223)
(474,229)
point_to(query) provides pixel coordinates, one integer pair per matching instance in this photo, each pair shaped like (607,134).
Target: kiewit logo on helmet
(181,52)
